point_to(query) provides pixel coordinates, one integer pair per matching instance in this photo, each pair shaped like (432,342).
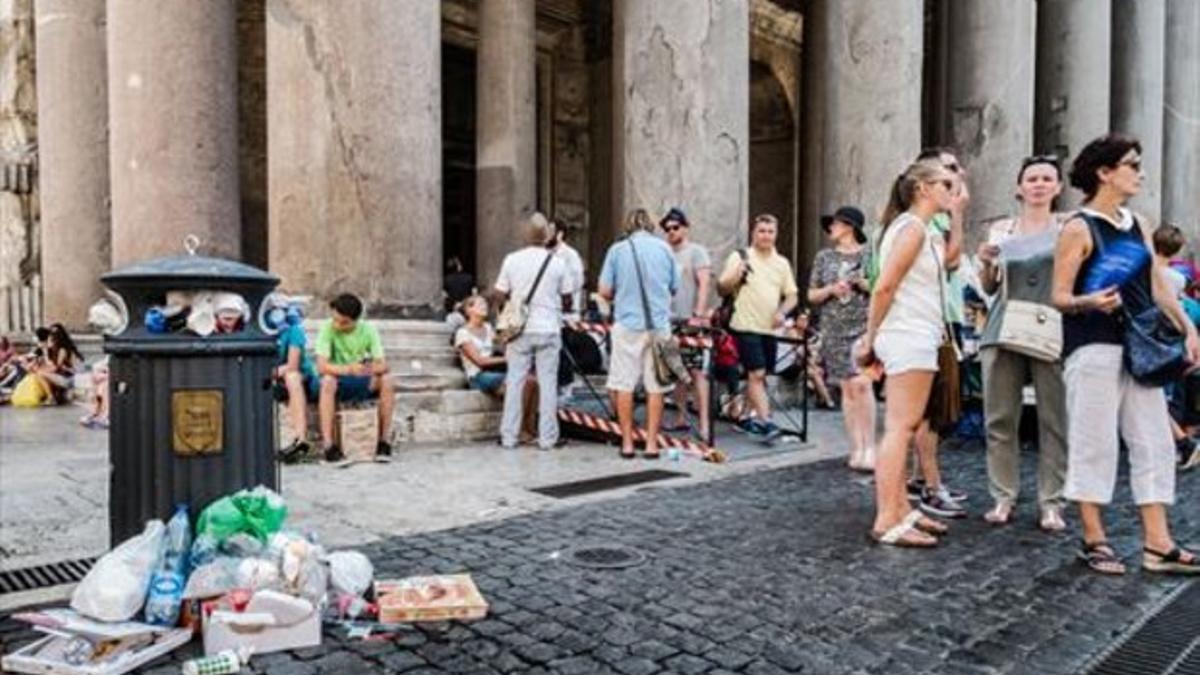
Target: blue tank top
(1095,327)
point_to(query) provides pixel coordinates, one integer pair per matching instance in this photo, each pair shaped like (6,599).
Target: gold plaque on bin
(197,421)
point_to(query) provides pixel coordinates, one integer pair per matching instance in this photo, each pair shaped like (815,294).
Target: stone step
(440,416)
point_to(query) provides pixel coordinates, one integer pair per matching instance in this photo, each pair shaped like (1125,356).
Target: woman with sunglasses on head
(1018,264)
(905,325)
(1103,398)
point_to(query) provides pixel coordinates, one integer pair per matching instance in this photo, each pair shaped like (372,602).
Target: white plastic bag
(350,572)
(214,578)
(115,588)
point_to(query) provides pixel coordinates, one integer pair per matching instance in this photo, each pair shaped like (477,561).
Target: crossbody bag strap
(538,280)
(637,266)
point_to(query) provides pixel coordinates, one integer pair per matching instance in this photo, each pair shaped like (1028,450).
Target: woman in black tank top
(1103,399)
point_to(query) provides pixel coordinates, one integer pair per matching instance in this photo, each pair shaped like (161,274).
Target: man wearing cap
(840,290)
(690,306)
(765,292)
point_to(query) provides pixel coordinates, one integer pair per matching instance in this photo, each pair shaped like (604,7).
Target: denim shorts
(355,388)
(488,380)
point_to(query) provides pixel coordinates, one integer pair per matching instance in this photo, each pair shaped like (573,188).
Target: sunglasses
(953,167)
(1135,164)
(945,182)
(1039,159)
(672,227)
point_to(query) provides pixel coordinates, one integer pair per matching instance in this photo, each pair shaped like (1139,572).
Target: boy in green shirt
(352,367)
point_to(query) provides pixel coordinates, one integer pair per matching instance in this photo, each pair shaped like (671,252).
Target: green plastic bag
(259,512)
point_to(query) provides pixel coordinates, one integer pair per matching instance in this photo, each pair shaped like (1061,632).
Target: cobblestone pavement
(762,573)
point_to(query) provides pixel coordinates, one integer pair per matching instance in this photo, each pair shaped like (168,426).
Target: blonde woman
(904,328)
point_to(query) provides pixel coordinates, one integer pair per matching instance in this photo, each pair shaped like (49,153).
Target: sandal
(1100,558)
(905,534)
(651,455)
(1001,514)
(931,526)
(632,454)
(1052,520)
(1175,561)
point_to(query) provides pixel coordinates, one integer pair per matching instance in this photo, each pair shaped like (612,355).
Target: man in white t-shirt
(575,270)
(540,341)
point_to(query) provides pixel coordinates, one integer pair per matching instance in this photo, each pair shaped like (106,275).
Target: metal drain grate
(583,487)
(608,557)
(44,576)
(1166,643)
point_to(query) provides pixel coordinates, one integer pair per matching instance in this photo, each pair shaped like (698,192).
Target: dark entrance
(458,155)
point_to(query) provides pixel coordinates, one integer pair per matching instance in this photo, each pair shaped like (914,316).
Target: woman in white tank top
(904,328)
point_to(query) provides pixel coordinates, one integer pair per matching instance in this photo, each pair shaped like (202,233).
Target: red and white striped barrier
(610,428)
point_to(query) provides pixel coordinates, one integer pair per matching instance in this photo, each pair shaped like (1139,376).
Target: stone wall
(19,249)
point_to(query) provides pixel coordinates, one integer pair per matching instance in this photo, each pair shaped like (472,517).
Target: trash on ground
(115,588)
(77,645)
(431,598)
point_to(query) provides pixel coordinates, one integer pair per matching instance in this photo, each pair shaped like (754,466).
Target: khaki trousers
(1004,376)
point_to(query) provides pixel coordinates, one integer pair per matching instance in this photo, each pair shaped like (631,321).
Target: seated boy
(352,367)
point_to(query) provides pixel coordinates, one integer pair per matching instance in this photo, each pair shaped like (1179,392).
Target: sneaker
(294,451)
(935,503)
(748,425)
(1190,459)
(334,454)
(915,488)
(383,449)
(949,493)
(769,431)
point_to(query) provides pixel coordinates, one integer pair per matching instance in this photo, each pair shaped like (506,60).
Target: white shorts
(632,361)
(1104,401)
(902,351)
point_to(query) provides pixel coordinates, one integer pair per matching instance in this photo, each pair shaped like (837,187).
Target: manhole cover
(613,557)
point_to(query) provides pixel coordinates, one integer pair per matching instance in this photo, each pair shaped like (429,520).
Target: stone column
(1073,68)
(172,102)
(1139,50)
(73,155)
(863,124)
(1181,121)
(506,130)
(990,100)
(354,143)
(681,117)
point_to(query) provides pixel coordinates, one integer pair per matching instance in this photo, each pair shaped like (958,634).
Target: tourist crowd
(1089,310)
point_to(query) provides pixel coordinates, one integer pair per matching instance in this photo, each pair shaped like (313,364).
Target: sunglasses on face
(1135,164)
(945,182)
(672,227)
(953,167)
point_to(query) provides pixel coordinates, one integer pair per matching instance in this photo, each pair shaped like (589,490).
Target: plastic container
(178,545)
(164,599)
(224,663)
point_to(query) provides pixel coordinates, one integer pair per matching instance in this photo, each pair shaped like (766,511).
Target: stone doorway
(458,155)
(773,158)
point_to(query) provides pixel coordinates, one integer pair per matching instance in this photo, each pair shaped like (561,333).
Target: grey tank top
(1028,268)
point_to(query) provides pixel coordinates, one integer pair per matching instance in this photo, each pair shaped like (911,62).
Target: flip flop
(899,535)
(632,454)
(651,455)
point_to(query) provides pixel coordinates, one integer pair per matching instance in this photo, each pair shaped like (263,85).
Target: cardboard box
(124,646)
(432,598)
(356,430)
(272,622)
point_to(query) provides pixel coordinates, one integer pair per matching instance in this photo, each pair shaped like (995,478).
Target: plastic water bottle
(166,585)
(178,542)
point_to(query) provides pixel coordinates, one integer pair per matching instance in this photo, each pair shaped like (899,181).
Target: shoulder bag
(668,361)
(724,314)
(1029,328)
(1155,353)
(945,396)
(515,314)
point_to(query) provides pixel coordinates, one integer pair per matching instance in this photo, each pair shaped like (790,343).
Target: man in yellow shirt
(765,292)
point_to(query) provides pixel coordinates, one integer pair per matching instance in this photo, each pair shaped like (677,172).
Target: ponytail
(904,189)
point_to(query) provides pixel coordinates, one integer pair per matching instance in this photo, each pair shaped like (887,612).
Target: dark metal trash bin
(191,417)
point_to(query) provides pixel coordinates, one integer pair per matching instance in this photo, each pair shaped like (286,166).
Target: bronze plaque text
(197,421)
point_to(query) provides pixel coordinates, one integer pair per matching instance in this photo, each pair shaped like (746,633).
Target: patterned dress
(841,321)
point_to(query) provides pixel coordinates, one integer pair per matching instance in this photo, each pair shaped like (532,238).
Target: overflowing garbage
(240,581)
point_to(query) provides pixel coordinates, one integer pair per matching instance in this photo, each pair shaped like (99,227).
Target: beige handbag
(511,322)
(1030,328)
